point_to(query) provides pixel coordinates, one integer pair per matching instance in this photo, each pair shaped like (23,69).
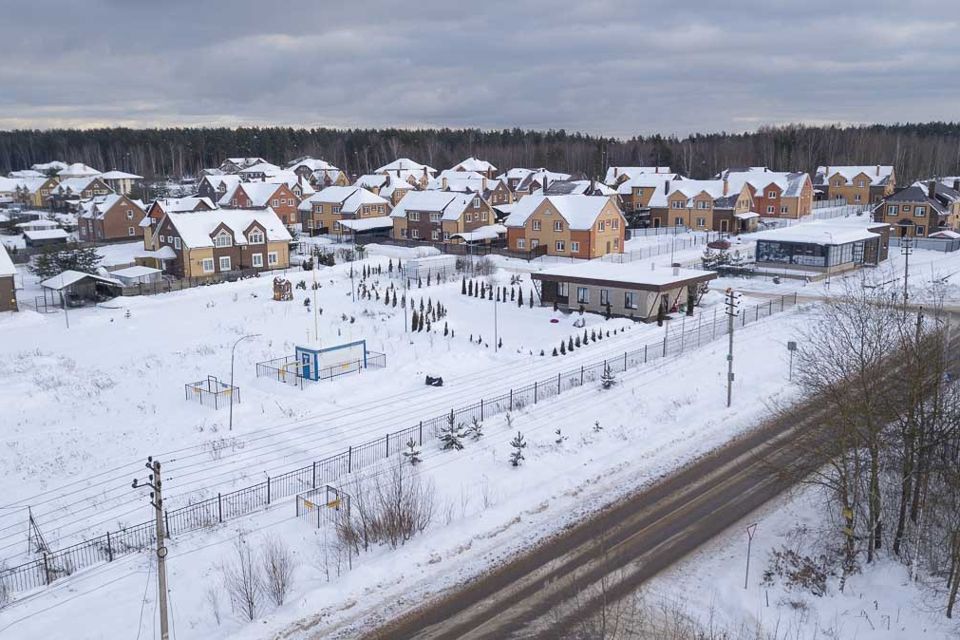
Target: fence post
(421,433)
(581,375)
(46,568)
(481,409)
(268,489)
(645,354)
(624,360)
(683,326)
(220,507)
(388,444)
(511,399)
(109,548)
(534,392)
(758,313)
(714,325)
(166,522)
(314,474)
(350,459)
(558,384)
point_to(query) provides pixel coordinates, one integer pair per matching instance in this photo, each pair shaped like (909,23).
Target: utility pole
(233,352)
(906,248)
(733,310)
(156,499)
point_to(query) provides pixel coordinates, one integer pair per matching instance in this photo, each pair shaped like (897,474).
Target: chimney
(666,187)
(676,271)
(483,184)
(443,183)
(932,189)
(546,181)
(616,172)
(726,186)
(878,170)
(593,186)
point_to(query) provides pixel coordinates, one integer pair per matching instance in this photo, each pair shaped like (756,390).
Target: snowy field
(652,421)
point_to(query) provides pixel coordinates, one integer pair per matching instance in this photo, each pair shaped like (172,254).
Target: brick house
(233,165)
(523,182)
(112,217)
(577,226)
(921,209)
(320,212)
(215,187)
(162,206)
(775,194)
(856,184)
(68,194)
(196,245)
(693,203)
(307,166)
(637,192)
(436,216)
(474,165)
(492,190)
(618,175)
(261,195)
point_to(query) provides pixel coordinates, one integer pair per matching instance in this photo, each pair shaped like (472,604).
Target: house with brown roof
(111,217)
(699,205)
(578,226)
(70,192)
(474,165)
(776,194)
(921,209)
(857,184)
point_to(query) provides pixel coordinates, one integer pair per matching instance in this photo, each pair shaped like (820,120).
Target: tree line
(916,150)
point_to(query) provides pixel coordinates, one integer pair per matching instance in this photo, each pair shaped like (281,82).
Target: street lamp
(233,353)
(827,257)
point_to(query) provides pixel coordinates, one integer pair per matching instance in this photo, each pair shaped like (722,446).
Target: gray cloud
(613,67)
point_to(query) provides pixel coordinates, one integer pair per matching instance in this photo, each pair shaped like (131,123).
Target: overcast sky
(612,67)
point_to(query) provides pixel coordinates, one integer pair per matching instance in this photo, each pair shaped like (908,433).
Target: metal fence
(692,332)
(287,368)
(323,505)
(663,248)
(931,244)
(211,392)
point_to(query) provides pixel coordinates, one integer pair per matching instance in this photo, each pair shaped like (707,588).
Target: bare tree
(242,580)
(278,565)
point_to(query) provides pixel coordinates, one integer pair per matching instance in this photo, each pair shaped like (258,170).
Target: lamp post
(827,257)
(233,353)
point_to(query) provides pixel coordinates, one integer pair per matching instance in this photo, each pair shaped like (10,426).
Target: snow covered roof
(244,162)
(179,205)
(30,185)
(134,272)
(790,184)
(74,185)
(69,277)
(431,201)
(472,164)
(630,275)
(6,264)
(260,167)
(259,193)
(313,164)
(642,180)
(540,176)
(195,228)
(26,173)
(371,180)
(579,211)
(230,180)
(616,173)
(350,199)
(37,224)
(489,232)
(120,175)
(44,167)
(822,232)
(45,234)
(163,253)
(946,233)
(98,206)
(78,170)
(406,164)
(576,187)
(366,224)
(878,174)
(747,215)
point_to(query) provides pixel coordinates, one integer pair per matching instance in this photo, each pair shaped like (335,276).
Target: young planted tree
(608,378)
(518,444)
(412,452)
(451,434)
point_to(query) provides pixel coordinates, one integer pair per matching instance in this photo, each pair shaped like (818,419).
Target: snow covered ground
(652,421)
(879,603)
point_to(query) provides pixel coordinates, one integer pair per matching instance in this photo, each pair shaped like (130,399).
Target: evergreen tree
(513,294)
(518,444)
(608,378)
(570,345)
(463,286)
(500,343)
(420,326)
(520,299)
(390,266)
(563,349)
(475,430)
(593,335)
(414,322)
(531,301)
(498,294)
(577,341)
(394,303)
(419,282)
(445,330)
(554,351)
(412,453)
(470,288)
(483,292)
(451,434)
(428,278)
(585,337)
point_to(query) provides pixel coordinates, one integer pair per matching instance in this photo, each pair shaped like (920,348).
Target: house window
(702,204)
(558,225)
(521,243)
(770,208)
(536,225)
(604,297)
(616,224)
(176,243)
(575,247)
(476,203)
(564,290)
(678,221)
(630,299)
(222,239)
(225,263)
(207,265)
(415,234)
(583,295)
(783,209)
(892,210)
(860,183)
(446,236)
(131,232)
(129,214)
(434,217)
(920,230)
(906,207)
(771,194)
(919,212)
(335,208)
(403,232)
(701,222)
(272,258)
(256,237)
(560,247)
(256,259)
(677,204)
(434,235)
(600,225)
(483,216)
(856,198)
(534,243)
(616,243)
(415,216)
(275,203)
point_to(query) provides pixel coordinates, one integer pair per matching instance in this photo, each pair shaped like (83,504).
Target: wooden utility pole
(733,310)
(906,248)
(156,499)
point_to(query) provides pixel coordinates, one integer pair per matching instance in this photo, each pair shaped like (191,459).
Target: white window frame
(560,246)
(255,237)
(207,265)
(558,226)
(521,243)
(575,246)
(225,260)
(275,203)
(919,212)
(771,195)
(131,231)
(892,209)
(273,258)
(630,300)
(414,216)
(604,297)
(564,289)
(536,225)
(129,214)
(771,209)
(256,259)
(583,295)
(434,235)
(701,222)
(176,243)
(218,240)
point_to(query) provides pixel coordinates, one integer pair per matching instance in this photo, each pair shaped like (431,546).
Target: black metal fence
(693,331)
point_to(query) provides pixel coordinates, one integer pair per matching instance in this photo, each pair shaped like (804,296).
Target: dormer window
(222,239)
(255,237)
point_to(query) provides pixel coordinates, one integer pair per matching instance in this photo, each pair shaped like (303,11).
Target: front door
(724,226)
(305,364)
(608,246)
